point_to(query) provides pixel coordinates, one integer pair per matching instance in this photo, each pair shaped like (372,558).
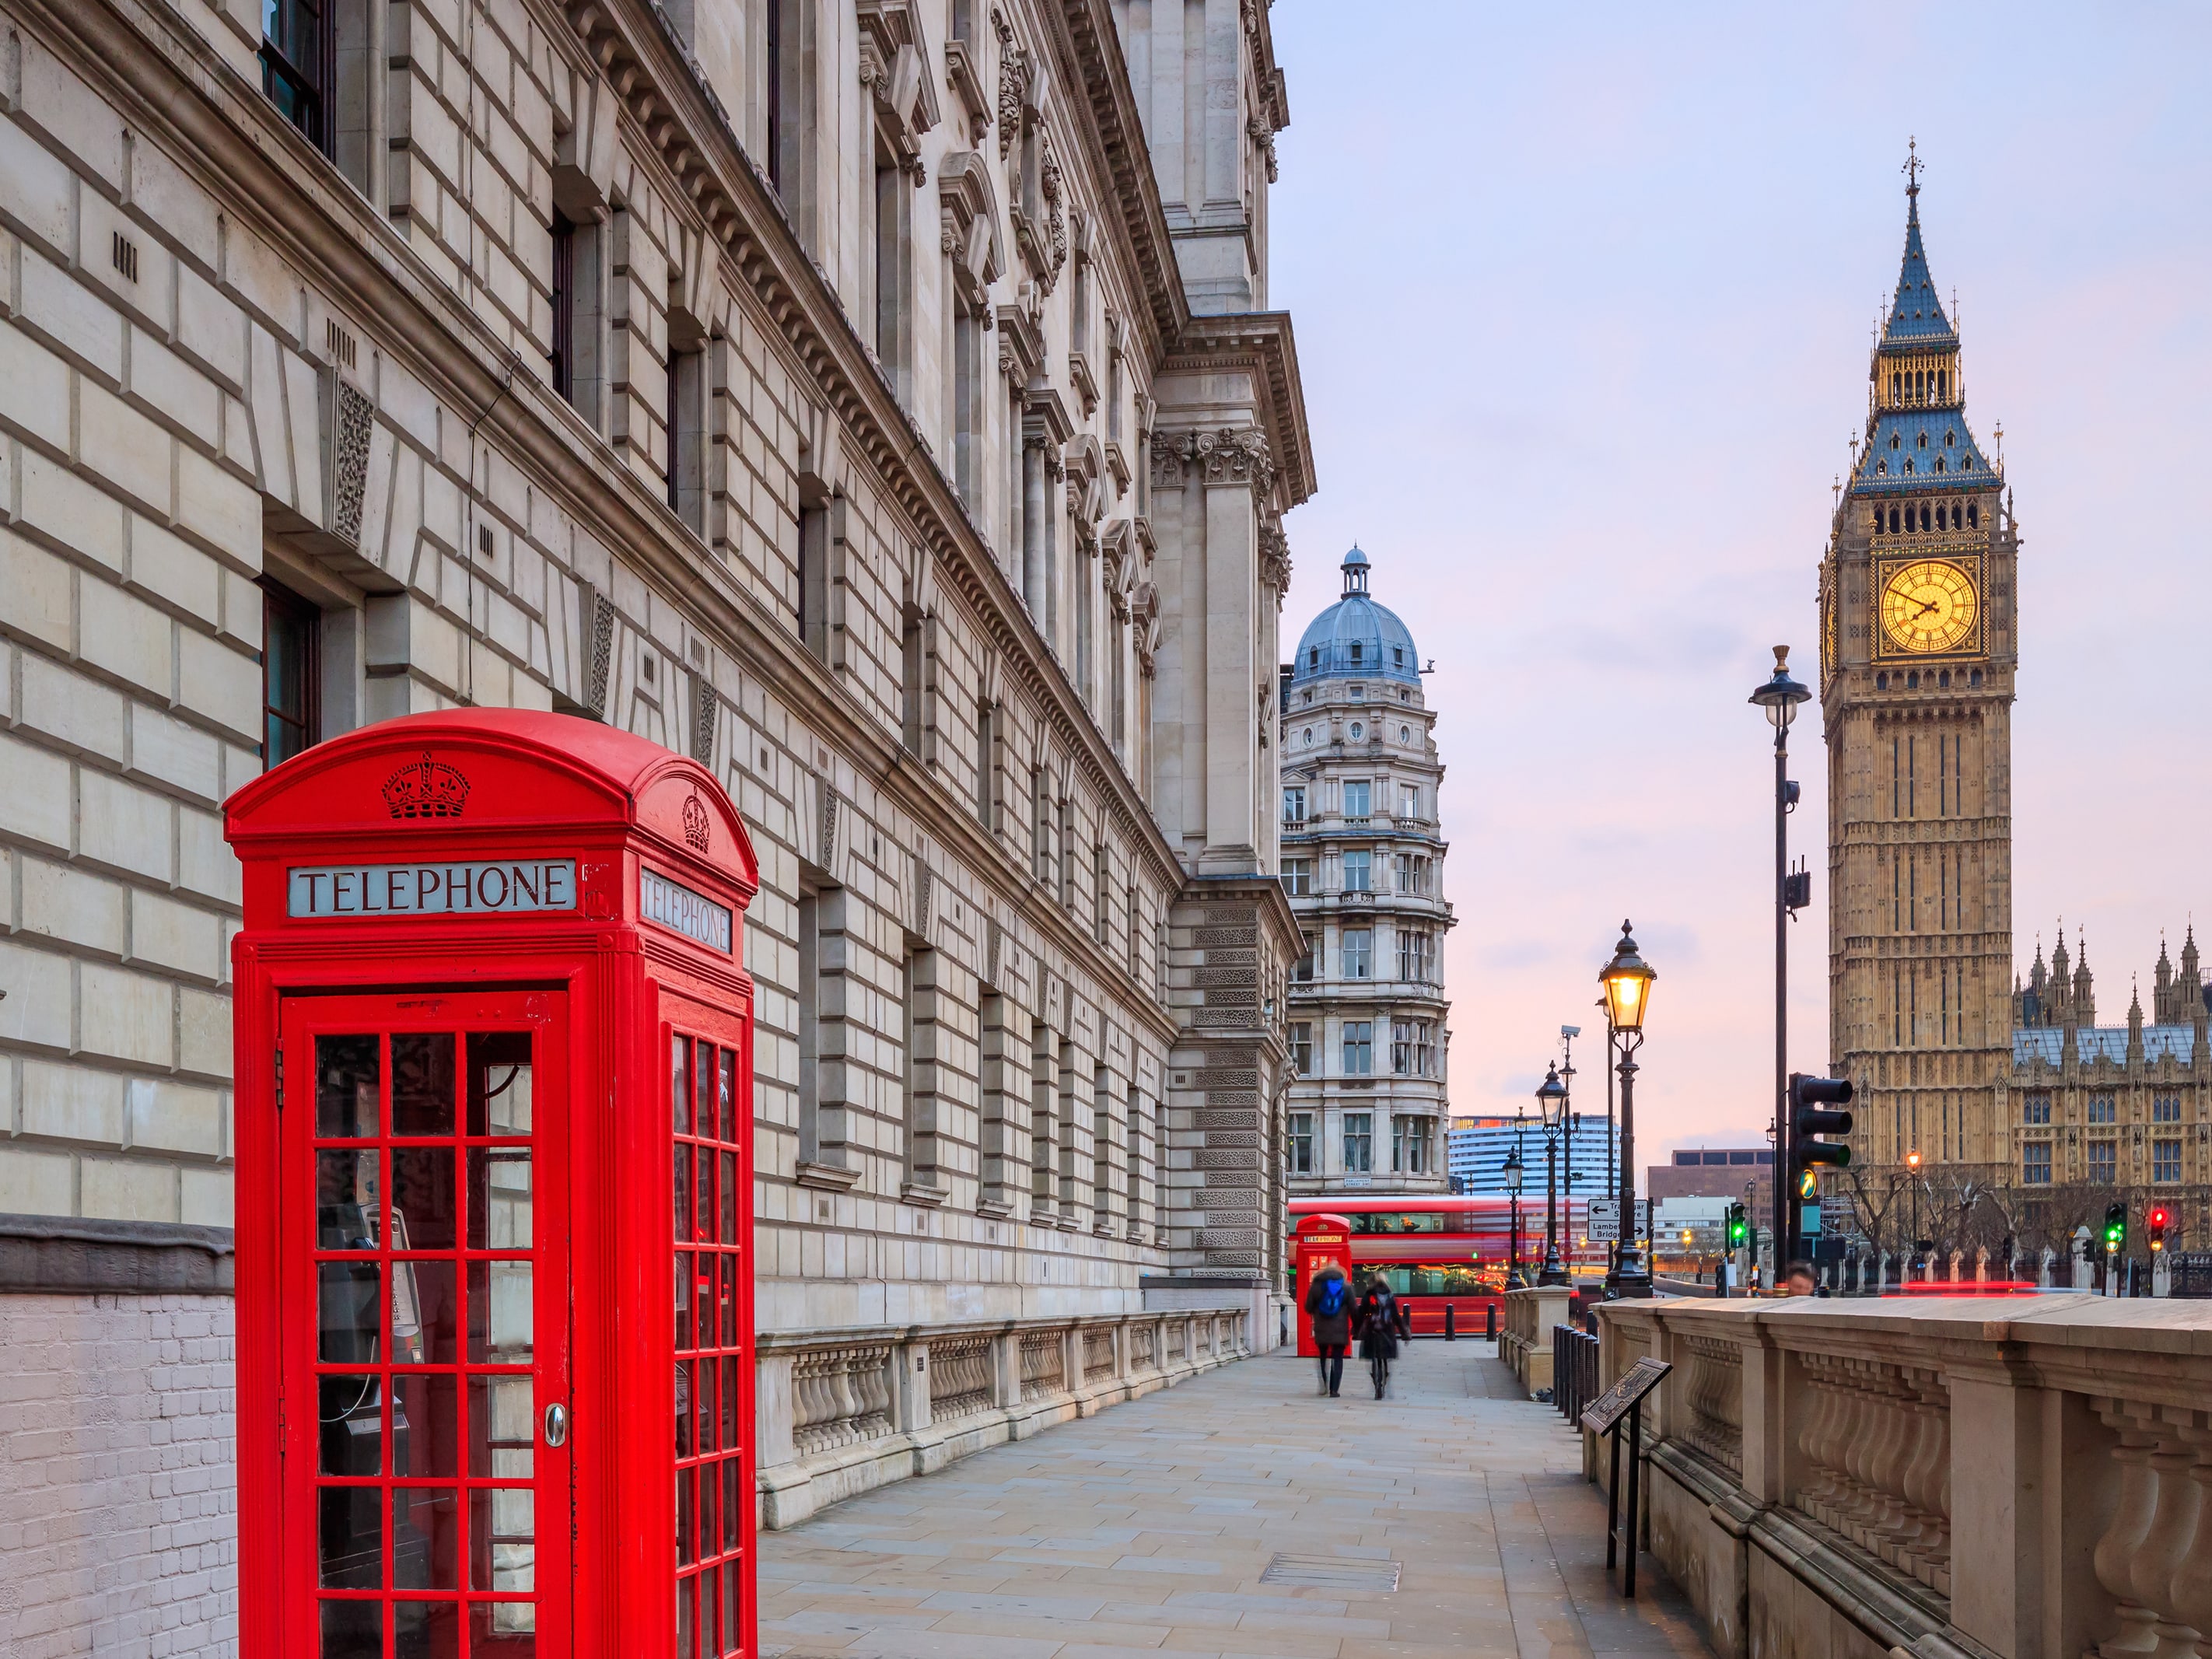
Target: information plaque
(1615,1403)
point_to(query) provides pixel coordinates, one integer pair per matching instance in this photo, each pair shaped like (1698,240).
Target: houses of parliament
(1953,1054)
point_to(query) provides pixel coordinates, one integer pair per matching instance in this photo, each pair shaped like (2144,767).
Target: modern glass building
(1476,1148)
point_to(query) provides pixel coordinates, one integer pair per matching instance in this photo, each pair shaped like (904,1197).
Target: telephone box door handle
(556,1424)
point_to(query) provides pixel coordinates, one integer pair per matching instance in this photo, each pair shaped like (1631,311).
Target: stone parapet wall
(2021,1476)
(841,1412)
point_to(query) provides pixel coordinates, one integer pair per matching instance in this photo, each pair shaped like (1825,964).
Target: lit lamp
(1626,980)
(1551,1102)
(1513,1279)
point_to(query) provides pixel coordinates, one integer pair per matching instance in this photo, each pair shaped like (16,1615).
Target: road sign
(1602,1218)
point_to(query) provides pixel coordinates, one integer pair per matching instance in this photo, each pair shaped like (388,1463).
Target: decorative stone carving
(1014,82)
(1145,626)
(599,620)
(1170,452)
(703,709)
(351,417)
(1055,211)
(1264,137)
(1237,455)
(1274,561)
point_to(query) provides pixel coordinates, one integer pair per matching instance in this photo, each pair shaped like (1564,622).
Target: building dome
(1356,638)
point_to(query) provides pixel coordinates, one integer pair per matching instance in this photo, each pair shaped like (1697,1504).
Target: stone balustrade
(1524,1339)
(840,1413)
(2028,1478)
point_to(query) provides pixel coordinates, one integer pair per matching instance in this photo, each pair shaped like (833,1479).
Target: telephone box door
(423,1326)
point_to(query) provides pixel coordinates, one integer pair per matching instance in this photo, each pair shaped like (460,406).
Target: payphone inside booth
(494,1052)
(1318,1241)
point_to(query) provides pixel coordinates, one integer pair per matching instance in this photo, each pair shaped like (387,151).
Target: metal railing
(1574,1370)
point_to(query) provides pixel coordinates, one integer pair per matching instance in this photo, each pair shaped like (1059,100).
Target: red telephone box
(1321,1241)
(493,1044)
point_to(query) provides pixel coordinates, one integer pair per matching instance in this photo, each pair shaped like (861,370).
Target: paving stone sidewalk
(1147,1529)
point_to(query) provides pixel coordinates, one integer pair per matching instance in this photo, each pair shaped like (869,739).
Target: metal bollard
(1451,1334)
(1489,1325)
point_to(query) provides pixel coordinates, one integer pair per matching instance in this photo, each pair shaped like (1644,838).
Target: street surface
(1152,1529)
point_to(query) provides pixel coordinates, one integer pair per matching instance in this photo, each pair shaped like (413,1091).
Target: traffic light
(1739,1231)
(1810,1099)
(2154,1228)
(2115,1228)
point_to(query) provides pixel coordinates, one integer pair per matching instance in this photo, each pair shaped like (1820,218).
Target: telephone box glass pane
(426,1534)
(501,1315)
(503,1630)
(346,1198)
(353,1630)
(499,1083)
(502,1426)
(423,1083)
(424,1318)
(350,1421)
(499,1198)
(352,1318)
(347,1080)
(424,1426)
(425,1629)
(350,1537)
(422,1205)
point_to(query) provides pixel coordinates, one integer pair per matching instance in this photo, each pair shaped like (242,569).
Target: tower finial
(1911,170)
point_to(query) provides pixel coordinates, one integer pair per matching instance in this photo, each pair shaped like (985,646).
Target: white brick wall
(118,1501)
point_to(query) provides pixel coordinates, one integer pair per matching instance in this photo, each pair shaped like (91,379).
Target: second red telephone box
(493,1047)
(1318,1241)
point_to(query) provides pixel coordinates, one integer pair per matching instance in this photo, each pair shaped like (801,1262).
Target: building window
(1358,1047)
(1416,956)
(563,355)
(814,578)
(1359,953)
(1301,1146)
(2164,1161)
(987,767)
(1303,972)
(2035,1163)
(1359,872)
(1412,1047)
(298,63)
(920,981)
(968,387)
(1356,796)
(291,674)
(2102,1110)
(2166,1109)
(1409,795)
(1101,895)
(2035,1109)
(1358,1143)
(1297,876)
(687,450)
(1302,1046)
(1294,806)
(889,225)
(2104,1162)
(1409,1144)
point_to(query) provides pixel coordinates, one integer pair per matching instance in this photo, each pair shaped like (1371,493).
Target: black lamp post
(1551,1100)
(1514,1281)
(1779,697)
(1627,982)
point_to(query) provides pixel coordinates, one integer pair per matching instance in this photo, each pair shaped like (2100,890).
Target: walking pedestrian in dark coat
(1329,1301)
(1380,1323)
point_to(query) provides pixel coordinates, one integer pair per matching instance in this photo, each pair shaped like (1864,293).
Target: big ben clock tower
(1918,652)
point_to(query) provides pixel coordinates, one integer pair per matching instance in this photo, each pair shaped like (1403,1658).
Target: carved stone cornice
(1260,344)
(1235,455)
(968,212)
(894,67)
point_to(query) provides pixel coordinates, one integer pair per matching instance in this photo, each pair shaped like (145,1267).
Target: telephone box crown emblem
(695,828)
(428,788)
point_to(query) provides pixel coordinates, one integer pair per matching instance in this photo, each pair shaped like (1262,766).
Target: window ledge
(834,1177)
(925,1193)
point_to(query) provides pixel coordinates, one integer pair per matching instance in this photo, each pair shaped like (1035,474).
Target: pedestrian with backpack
(1329,1301)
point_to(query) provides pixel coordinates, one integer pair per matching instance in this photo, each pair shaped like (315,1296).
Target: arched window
(1973,515)
(1943,680)
(1912,681)
(1881,682)
(1877,521)
(1908,464)
(1313,657)
(1920,441)
(1355,653)
(1975,679)
(1895,440)
(1924,524)
(1893,521)
(1954,515)
(1896,388)
(1920,385)
(1881,468)
(1943,385)
(1950,441)
(1939,464)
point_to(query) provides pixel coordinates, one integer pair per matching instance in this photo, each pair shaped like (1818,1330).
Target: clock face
(1929,605)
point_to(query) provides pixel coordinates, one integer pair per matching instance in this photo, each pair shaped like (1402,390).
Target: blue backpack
(1332,1298)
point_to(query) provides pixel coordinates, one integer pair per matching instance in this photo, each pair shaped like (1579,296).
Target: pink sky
(1584,306)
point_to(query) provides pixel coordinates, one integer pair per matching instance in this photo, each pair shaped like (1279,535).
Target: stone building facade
(1919,655)
(876,399)
(1363,862)
(2120,1110)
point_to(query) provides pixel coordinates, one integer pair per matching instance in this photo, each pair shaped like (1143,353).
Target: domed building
(1363,858)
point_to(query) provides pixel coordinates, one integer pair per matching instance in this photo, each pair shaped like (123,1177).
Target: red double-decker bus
(1438,1253)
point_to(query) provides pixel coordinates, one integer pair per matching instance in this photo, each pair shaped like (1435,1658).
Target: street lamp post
(1779,697)
(1551,1101)
(1513,1279)
(1573,1120)
(1627,982)
(1919,1256)
(1612,1181)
